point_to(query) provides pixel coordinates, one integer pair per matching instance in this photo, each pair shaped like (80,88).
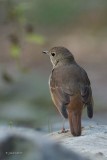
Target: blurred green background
(27,27)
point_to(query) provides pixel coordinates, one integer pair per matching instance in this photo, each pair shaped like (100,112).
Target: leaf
(35,38)
(15,51)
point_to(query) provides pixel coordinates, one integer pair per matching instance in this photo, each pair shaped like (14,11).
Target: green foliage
(35,38)
(52,12)
(15,51)
(57,12)
(21,9)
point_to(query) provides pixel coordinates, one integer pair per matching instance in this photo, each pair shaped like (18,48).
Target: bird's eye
(53,54)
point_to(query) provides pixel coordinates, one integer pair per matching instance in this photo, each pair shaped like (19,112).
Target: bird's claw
(63,131)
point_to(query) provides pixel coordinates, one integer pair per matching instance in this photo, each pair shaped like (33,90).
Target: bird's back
(70,77)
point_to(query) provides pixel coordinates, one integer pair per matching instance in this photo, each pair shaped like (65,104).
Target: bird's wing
(86,93)
(58,94)
(85,86)
(65,82)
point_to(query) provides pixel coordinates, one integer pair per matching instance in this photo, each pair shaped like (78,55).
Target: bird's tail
(75,122)
(90,109)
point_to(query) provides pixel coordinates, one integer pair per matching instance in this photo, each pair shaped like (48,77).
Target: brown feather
(70,88)
(74,115)
(75,122)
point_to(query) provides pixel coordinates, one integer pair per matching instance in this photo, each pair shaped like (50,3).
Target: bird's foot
(63,131)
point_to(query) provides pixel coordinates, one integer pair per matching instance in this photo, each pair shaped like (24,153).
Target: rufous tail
(75,122)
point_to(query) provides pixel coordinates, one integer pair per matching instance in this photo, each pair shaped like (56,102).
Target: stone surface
(92,142)
(25,143)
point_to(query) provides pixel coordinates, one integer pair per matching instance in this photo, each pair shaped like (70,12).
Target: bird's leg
(63,128)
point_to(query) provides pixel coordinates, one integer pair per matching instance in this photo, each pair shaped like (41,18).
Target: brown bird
(70,88)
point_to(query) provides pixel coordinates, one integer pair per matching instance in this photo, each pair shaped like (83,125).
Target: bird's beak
(45,52)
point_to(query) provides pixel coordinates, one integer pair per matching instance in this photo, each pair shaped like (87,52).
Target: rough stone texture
(27,144)
(92,143)
(24,143)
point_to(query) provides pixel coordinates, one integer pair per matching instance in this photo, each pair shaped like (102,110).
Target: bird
(70,88)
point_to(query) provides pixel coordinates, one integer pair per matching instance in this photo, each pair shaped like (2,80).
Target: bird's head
(59,55)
